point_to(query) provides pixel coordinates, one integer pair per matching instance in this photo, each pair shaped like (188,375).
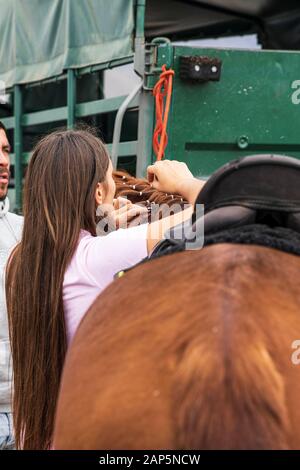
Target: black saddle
(260,189)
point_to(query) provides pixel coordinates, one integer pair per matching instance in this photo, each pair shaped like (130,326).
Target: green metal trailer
(252,108)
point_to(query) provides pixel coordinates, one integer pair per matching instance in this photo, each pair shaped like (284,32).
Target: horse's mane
(139,191)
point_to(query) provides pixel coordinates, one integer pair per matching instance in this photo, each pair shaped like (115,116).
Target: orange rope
(162,89)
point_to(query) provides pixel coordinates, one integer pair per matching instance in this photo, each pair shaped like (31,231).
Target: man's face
(4,164)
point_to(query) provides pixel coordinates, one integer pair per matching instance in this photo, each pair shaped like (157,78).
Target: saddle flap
(228,217)
(261,189)
(268,182)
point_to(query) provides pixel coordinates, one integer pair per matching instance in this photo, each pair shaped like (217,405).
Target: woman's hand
(172,176)
(167,175)
(124,211)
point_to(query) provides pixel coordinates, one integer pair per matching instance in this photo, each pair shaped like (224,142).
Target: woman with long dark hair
(60,266)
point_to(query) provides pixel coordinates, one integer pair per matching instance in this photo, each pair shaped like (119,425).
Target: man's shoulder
(15,218)
(16,222)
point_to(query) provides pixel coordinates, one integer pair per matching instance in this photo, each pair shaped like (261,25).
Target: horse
(192,350)
(196,356)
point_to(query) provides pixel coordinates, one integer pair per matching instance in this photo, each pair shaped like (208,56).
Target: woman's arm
(157,229)
(172,177)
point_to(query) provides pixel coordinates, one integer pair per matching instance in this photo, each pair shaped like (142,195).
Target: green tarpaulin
(41,38)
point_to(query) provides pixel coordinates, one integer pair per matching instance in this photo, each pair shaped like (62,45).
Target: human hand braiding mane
(139,191)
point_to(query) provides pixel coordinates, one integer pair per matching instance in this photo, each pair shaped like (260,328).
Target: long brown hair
(59,201)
